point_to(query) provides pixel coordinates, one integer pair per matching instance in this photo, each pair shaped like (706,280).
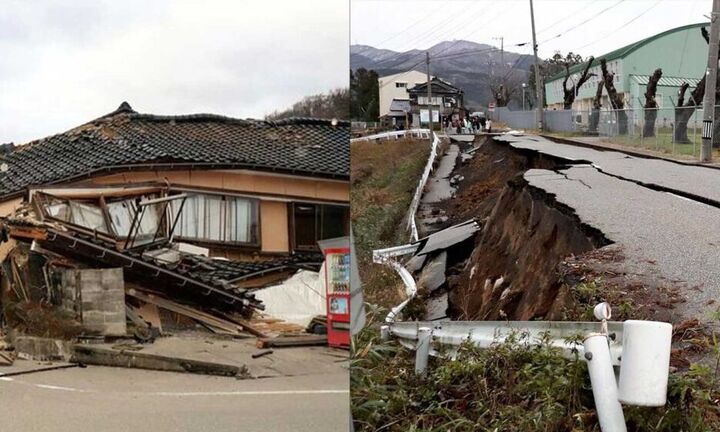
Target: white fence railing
(394,135)
(411,225)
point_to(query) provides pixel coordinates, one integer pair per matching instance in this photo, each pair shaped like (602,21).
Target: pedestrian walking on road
(489,126)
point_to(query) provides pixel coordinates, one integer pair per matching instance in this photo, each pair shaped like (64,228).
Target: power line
(432,34)
(435,55)
(582,22)
(442,5)
(544,29)
(621,27)
(438,29)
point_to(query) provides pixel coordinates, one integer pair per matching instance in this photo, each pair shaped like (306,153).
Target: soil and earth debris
(518,269)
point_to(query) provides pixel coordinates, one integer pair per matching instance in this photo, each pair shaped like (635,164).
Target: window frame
(255,242)
(292,228)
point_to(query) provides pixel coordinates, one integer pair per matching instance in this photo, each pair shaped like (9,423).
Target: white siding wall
(389,90)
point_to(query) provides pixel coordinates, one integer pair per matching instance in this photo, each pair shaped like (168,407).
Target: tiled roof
(216,271)
(400,105)
(439,86)
(125,138)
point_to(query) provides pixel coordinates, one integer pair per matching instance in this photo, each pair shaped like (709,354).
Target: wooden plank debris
(6,358)
(150,313)
(211,321)
(262,353)
(243,323)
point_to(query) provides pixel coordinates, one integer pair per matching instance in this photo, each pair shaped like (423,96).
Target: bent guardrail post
(604,387)
(385,333)
(422,353)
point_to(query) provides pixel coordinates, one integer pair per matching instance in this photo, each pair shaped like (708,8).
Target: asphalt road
(661,233)
(686,179)
(115,399)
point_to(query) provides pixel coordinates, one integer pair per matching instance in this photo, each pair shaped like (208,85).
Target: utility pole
(429,92)
(538,82)
(710,85)
(502,53)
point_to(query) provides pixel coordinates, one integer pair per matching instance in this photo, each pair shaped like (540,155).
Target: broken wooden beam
(292,341)
(100,356)
(28,233)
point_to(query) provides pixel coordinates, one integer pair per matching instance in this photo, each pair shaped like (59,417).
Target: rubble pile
(72,270)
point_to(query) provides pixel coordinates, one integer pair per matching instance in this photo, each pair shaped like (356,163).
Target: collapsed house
(132,214)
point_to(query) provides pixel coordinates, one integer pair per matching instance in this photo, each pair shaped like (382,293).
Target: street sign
(707,129)
(491,107)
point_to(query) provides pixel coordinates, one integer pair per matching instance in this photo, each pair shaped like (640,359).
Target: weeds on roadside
(513,386)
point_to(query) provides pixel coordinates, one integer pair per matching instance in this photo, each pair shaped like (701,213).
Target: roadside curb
(626,151)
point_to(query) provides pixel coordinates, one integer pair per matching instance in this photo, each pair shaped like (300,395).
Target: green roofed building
(681,53)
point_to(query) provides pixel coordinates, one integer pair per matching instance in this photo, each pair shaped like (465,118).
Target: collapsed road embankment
(542,204)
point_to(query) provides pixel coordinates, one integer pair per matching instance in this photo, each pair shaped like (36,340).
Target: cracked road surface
(661,233)
(115,399)
(685,179)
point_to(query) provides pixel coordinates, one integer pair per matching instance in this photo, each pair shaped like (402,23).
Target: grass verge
(513,386)
(384,176)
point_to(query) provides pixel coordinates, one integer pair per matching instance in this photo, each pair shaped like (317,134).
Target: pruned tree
(685,109)
(651,104)
(597,104)
(616,99)
(501,96)
(569,93)
(551,67)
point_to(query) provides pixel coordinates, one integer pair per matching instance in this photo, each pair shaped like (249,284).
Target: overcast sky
(63,63)
(402,25)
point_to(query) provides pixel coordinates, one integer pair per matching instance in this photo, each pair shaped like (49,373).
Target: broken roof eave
(19,193)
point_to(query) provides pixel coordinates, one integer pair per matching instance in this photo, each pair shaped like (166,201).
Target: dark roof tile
(314,147)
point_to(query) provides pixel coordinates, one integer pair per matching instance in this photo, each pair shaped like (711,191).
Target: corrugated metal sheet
(666,81)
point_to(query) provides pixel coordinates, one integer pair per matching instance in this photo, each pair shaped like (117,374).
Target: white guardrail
(411,225)
(447,336)
(394,135)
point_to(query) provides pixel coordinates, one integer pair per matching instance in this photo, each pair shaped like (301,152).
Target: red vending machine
(337,285)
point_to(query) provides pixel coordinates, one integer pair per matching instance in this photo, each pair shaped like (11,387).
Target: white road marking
(52,387)
(250,393)
(189,394)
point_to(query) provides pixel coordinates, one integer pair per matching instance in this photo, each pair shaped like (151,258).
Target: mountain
(468,65)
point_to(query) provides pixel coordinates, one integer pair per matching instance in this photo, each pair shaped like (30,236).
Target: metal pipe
(423,349)
(604,387)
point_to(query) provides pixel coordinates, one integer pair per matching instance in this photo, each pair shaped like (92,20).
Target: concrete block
(102,292)
(432,276)
(42,349)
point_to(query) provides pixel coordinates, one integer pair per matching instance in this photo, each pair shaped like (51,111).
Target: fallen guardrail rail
(394,135)
(640,349)
(387,257)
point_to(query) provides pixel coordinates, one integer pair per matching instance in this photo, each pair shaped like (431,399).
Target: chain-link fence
(671,130)
(677,131)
